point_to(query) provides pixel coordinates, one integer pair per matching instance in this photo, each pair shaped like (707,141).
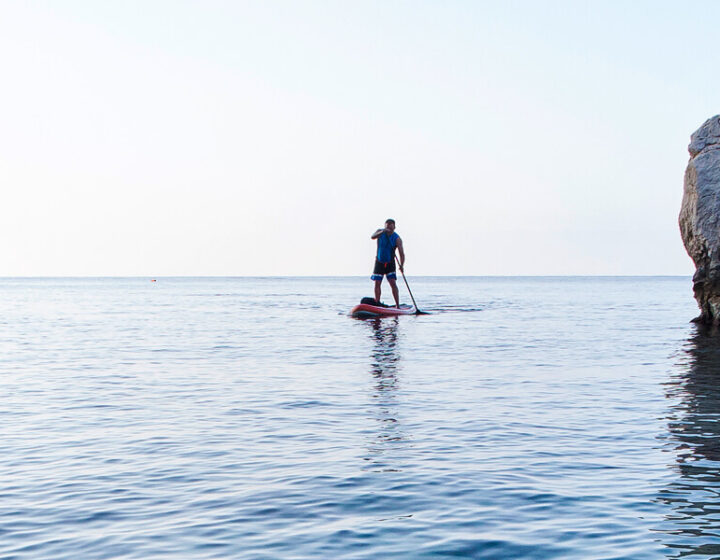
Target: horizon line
(171,276)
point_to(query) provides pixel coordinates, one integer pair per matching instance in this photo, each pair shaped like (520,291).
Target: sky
(162,138)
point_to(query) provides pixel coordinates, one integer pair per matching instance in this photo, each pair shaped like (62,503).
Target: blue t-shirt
(386,247)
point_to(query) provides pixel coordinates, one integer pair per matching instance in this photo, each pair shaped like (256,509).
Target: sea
(253,418)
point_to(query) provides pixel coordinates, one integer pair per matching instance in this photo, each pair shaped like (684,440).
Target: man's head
(390,224)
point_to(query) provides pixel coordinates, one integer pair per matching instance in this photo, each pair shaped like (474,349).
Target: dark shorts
(382,269)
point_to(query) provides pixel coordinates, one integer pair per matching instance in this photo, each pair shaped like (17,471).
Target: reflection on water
(384,368)
(693,527)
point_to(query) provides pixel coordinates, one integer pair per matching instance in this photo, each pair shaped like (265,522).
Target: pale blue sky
(254,138)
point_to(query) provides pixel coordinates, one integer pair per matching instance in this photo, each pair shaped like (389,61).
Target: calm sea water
(252,418)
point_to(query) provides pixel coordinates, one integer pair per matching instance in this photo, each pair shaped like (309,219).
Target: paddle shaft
(417,311)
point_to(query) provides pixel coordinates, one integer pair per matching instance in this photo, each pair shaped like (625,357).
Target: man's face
(390,226)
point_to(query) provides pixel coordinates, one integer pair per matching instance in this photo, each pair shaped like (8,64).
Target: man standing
(387,242)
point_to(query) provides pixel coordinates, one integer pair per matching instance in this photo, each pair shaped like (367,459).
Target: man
(387,242)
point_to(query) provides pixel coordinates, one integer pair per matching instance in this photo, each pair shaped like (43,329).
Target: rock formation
(700,217)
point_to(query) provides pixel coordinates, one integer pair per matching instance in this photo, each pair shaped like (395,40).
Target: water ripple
(250,418)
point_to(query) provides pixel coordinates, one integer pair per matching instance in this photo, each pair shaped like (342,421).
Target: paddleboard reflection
(385,446)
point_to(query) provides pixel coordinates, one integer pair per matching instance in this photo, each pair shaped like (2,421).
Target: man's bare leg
(378,290)
(395,291)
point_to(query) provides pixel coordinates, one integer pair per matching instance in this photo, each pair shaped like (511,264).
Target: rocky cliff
(700,217)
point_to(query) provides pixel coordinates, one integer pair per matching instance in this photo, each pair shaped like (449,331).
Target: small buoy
(153,280)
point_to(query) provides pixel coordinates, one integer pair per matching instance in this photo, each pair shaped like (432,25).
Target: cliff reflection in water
(693,527)
(384,368)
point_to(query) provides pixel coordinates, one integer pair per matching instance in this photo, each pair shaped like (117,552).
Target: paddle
(417,310)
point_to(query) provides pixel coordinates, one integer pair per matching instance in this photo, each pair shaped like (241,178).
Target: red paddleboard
(365,310)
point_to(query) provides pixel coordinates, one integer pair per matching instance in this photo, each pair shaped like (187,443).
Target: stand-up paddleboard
(367,310)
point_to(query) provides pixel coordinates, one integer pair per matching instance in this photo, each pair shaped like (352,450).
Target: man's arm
(378,233)
(400,249)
